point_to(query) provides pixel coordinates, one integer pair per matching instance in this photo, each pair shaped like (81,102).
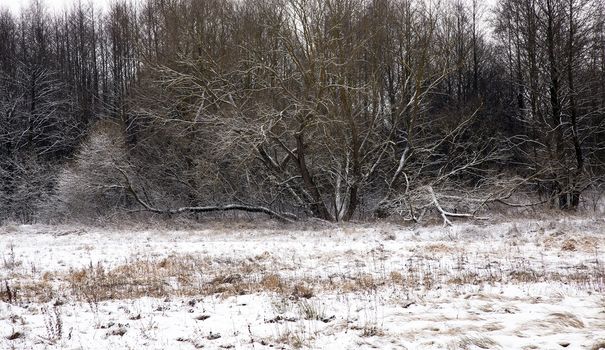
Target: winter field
(512,285)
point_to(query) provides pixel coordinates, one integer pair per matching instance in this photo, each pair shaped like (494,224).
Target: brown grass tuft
(569,245)
(599,345)
(566,319)
(301,290)
(396,277)
(482,342)
(272,282)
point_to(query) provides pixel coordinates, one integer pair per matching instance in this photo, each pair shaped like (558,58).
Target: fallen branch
(287,217)
(522,205)
(445,214)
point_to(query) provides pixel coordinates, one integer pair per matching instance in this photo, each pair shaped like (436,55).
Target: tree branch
(286,217)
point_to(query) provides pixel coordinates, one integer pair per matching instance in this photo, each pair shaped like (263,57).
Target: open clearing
(514,285)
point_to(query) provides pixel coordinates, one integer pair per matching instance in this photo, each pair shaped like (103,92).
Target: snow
(525,284)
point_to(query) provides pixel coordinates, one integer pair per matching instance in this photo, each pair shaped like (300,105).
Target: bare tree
(338,109)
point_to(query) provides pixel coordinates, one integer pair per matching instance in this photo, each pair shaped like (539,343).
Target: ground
(523,284)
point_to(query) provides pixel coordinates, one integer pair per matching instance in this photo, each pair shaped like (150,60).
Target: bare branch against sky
(56,5)
(52,5)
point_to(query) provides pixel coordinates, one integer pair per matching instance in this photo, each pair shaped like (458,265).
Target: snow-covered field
(513,285)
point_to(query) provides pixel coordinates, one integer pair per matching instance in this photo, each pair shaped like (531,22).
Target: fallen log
(286,217)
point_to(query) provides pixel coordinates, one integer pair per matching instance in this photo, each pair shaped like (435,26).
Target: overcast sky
(53,5)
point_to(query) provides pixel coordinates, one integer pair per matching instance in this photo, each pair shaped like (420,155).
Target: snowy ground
(515,285)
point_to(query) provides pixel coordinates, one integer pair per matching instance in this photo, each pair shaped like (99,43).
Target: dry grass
(566,319)
(272,282)
(188,275)
(598,345)
(472,341)
(572,243)
(441,248)
(361,280)
(296,340)
(193,275)
(371,331)
(569,245)
(302,290)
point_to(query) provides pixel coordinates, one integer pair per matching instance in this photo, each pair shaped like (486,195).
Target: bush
(92,186)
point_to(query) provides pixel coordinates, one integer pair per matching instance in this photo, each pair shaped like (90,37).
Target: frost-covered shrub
(92,186)
(26,183)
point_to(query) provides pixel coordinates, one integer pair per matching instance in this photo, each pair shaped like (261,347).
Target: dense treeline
(333,109)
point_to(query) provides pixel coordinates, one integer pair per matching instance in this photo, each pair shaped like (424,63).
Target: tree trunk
(318,206)
(575,195)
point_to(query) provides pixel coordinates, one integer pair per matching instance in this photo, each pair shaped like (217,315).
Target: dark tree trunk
(318,206)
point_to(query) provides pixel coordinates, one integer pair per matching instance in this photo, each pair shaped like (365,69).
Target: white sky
(57,5)
(52,5)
